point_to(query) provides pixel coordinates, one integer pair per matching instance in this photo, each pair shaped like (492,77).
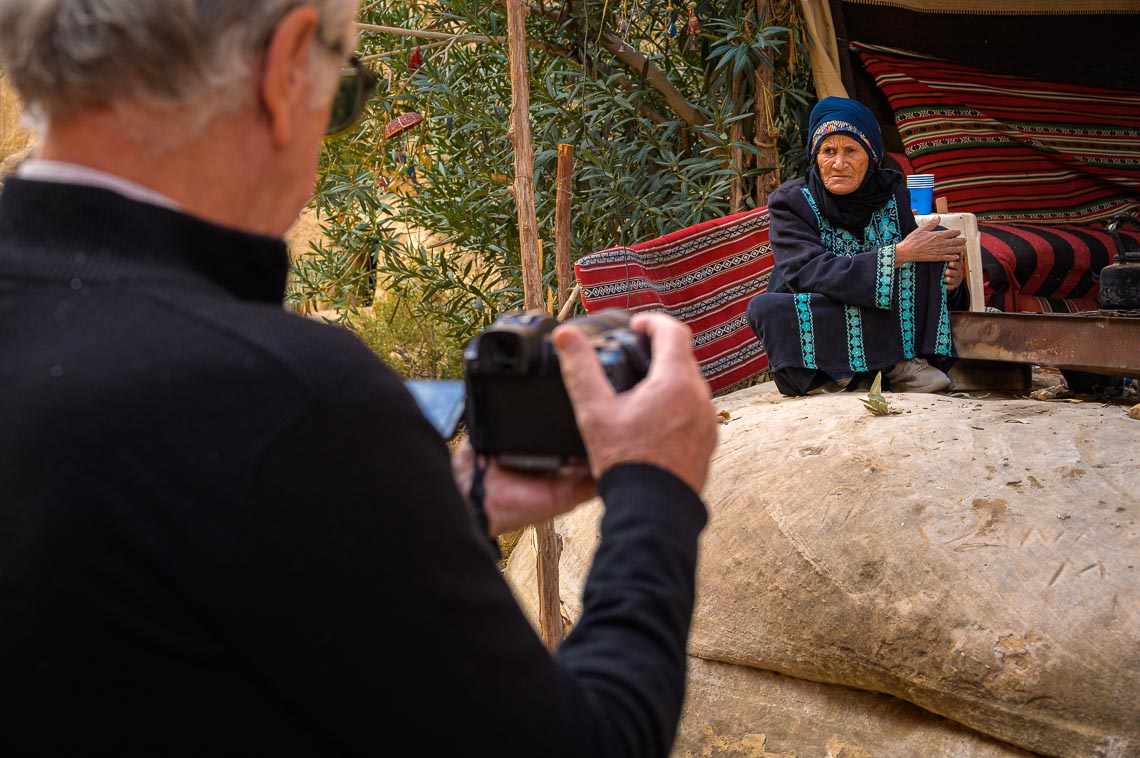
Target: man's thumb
(582,372)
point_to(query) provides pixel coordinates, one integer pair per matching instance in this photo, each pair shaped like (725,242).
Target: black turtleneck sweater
(228,530)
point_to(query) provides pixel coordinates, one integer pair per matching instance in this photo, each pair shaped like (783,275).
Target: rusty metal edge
(1099,344)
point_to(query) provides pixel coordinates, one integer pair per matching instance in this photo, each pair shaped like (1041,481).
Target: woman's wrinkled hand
(930,244)
(953,275)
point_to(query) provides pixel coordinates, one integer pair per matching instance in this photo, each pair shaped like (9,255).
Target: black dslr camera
(517,407)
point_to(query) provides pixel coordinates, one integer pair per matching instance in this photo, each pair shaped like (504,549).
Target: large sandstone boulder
(733,710)
(979,558)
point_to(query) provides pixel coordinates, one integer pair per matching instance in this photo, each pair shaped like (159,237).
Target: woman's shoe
(916,375)
(830,386)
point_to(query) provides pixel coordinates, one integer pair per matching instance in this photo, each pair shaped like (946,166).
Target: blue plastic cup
(921,188)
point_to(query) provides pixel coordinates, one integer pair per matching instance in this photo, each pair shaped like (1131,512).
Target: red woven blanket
(703,275)
(1011,148)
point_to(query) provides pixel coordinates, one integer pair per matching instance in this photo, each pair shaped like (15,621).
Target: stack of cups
(921,188)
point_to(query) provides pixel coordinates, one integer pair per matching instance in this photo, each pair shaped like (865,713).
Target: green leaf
(875,402)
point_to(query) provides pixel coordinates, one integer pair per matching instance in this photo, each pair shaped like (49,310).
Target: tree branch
(623,52)
(424,34)
(655,76)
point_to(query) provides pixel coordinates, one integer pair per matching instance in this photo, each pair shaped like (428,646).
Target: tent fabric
(824,36)
(1010,148)
(703,275)
(824,49)
(1010,7)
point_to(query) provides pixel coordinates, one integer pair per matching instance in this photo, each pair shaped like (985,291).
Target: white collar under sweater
(36,169)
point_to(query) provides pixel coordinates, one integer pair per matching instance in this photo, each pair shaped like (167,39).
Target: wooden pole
(568,308)
(562,265)
(736,135)
(549,608)
(766,132)
(519,132)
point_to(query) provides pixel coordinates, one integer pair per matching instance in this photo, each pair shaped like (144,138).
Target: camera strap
(476,497)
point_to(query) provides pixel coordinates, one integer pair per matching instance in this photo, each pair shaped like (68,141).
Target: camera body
(516,403)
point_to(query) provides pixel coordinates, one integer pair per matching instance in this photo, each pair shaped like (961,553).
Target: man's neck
(70,173)
(208,174)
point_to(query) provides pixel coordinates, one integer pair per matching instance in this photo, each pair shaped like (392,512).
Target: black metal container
(1120,280)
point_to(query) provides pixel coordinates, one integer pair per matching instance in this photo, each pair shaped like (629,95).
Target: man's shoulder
(319,357)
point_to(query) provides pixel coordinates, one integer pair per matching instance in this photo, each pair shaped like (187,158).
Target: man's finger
(670,339)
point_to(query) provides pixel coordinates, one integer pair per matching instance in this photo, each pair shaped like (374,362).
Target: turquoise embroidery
(807,332)
(881,234)
(886,276)
(944,345)
(836,240)
(855,356)
(906,308)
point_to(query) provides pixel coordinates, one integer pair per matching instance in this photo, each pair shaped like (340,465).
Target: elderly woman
(858,286)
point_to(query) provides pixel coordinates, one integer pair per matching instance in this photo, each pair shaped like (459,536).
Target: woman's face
(842,163)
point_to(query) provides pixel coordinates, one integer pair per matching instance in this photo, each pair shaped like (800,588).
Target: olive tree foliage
(427,215)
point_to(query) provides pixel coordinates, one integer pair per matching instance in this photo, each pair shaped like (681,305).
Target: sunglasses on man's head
(352,90)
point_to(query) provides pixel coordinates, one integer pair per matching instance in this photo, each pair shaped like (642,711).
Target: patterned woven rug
(1013,7)
(1011,148)
(703,275)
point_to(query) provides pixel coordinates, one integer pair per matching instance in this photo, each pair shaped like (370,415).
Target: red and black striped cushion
(1011,148)
(1038,267)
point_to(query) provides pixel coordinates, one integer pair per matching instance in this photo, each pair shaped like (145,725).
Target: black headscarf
(853,211)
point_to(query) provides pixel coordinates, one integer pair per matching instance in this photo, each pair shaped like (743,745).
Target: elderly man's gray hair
(62,55)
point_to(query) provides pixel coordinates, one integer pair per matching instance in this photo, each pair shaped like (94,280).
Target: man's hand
(514,499)
(667,419)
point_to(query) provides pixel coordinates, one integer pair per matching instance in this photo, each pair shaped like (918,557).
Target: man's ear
(285,69)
